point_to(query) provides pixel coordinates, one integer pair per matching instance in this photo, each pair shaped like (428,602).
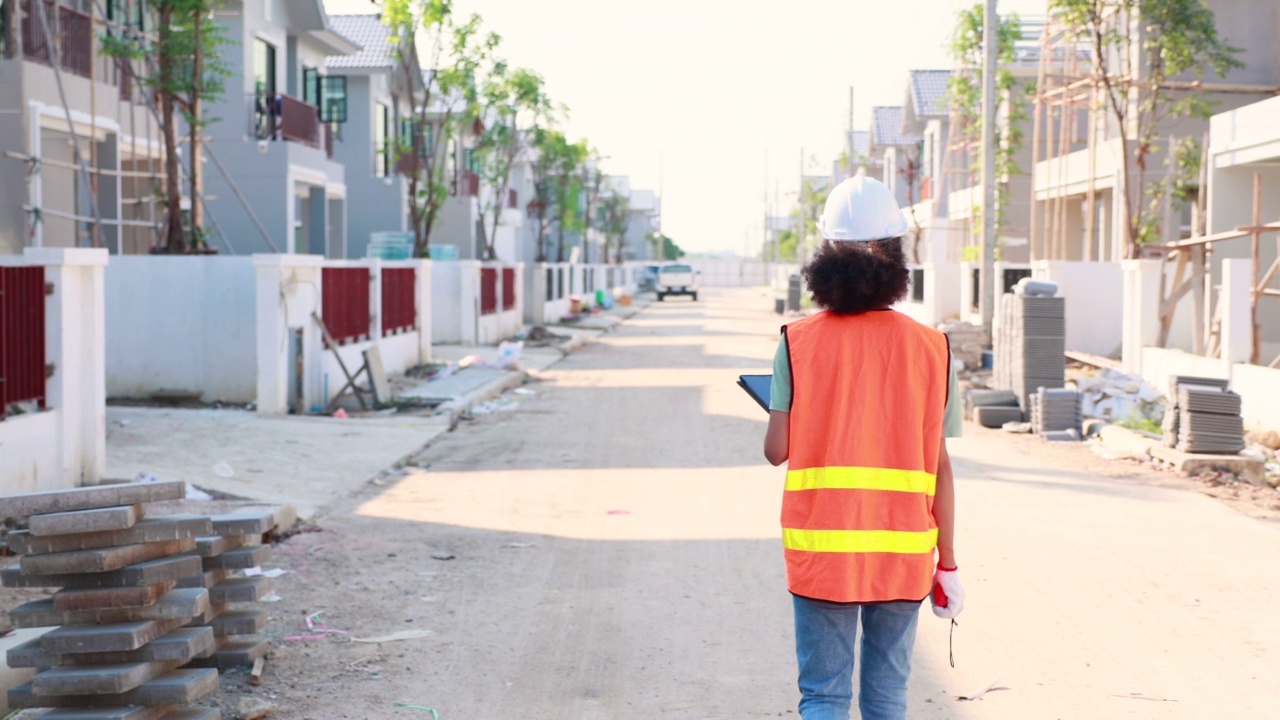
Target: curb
(456,408)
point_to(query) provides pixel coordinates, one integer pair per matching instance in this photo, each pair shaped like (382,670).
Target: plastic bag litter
(508,356)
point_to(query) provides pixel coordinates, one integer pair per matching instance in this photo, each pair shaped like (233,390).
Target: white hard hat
(861,209)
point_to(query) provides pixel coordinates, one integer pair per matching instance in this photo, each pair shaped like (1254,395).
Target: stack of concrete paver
(1172,425)
(1208,417)
(1030,345)
(1055,411)
(134,607)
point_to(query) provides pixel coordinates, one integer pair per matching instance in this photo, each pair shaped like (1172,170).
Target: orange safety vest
(868,396)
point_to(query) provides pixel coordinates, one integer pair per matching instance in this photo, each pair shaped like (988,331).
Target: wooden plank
(239,622)
(110,598)
(256,522)
(176,604)
(184,644)
(205,579)
(214,545)
(242,559)
(100,560)
(86,521)
(179,687)
(147,573)
(135,712)
(116,637)
(157,529)
(235,653)
(235,590)
(99,679)
(88,498)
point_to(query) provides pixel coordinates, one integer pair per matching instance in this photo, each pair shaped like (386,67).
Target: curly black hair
(848,278)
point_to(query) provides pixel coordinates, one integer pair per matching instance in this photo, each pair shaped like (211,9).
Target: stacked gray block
(1209,420)
(1055,410)
(121,642)
(1170,425)
(1030,346)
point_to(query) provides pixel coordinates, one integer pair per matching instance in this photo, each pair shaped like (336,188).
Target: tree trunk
(175,242)
(197,166)
(11,34)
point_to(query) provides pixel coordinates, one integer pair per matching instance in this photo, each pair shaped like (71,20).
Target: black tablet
(758,387)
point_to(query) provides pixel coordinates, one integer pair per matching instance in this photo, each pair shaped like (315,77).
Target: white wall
(64,446)
(1093,292)
(1258,387)
(181,323)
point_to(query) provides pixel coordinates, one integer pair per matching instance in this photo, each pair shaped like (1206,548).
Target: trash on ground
(223,470)
(395,637)
(497,405)
(508,356)
(434,714)
(443,556)
(270,598)
(1021,428)
(340,414)
(253,708)
(618,512)
(518,545)
(990,687)
(525,391)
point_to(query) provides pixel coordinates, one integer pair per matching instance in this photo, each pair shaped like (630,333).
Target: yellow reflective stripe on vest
(862,478)
(860,541)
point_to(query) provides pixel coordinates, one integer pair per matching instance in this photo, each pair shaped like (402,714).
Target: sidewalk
(310,461)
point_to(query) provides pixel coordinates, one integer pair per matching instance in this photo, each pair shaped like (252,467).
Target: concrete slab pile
(140,597)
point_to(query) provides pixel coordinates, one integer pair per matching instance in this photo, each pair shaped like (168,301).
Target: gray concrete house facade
(279,123)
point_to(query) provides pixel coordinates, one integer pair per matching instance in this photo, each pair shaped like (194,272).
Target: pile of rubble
(968,342)
(1264,445)
(1119,397)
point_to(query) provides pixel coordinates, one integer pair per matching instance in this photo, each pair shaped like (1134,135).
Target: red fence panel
(346,303)
(508,288)
(488,291)
(399,308)
(22,328)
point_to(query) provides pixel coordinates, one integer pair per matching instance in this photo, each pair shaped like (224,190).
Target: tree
(566,185)
(1139,48)
(185,71)
(507,97)
(964,92)
(592,187)
(670,250)
(542,142)
(615,218)
(439,98)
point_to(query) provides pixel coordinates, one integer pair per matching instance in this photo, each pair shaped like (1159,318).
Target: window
(333,98)
(381,134)
(264,68)
(309,88)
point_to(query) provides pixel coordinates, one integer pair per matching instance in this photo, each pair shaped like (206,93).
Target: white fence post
(1234,301)
(422,293)
(1141,310)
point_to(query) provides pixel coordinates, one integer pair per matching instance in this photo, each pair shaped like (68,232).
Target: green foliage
(615,217)
(964,92)
(787,246)
(670,250)
(1179,38)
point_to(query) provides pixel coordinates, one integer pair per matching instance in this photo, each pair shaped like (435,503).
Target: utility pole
(848,139)
(801,230)
(990,47)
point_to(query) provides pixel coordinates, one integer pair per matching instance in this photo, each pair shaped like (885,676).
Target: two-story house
(279,120)
(926,115)
(894,147)
(377,114)
(80,159)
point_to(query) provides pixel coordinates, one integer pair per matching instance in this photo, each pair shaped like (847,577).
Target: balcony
(468,184)
(71,29)
(283,117)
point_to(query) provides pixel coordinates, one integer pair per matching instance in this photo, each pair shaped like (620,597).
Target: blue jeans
(826,634)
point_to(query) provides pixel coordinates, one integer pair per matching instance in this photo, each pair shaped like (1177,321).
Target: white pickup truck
(677,279)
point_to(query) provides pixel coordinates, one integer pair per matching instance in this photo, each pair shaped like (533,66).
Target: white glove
(947,597)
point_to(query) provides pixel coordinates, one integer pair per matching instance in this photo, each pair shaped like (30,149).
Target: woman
(862,400)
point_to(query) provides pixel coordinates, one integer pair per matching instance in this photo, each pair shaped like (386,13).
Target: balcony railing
(283,117)
(71,29)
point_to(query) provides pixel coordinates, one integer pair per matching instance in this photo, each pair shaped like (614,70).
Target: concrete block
(235,653)
(183,644)
(10,676)
(207,616)
(146,573)
(1126,442)
(205,579)
(194,713)
(116,637)
(102,559)
(110,598)
(249,589)
(86,521)
(176,604)
(1193,464)
(99,679)
(88,498)
(176,688)
(150,530)
(239,559)
(217,544)
(239,622)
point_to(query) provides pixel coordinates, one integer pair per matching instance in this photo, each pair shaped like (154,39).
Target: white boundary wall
(64,446)
(455,311)
(941,286)
(1093,291)
(1259,387)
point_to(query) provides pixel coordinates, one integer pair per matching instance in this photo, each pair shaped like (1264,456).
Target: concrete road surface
(617,556)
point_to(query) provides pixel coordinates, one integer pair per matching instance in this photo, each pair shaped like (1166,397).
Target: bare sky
(694,95)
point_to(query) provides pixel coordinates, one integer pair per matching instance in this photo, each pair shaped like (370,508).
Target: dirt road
(616,556)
